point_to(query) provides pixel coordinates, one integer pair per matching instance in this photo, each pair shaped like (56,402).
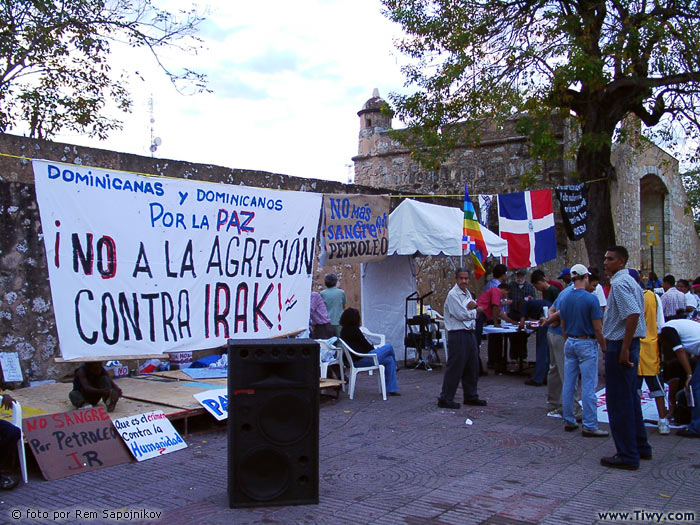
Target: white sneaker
(664,427)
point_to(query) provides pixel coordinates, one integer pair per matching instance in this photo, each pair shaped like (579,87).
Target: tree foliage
(691,183)
(55,69)
(592,62)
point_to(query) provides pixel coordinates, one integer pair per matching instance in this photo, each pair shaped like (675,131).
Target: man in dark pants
(623,326)
(534,311)
(463,358)
(520,291)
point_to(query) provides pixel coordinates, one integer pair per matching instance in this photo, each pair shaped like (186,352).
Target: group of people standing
(622,320)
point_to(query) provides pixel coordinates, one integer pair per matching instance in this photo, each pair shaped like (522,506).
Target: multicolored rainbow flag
(479,270)
(472,240)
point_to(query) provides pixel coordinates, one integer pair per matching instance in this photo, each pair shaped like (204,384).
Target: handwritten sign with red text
(149,435)
(74,442)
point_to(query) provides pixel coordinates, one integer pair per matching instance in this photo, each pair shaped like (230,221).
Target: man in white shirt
(683,337)
(673,300)
(463,353)
(691,300)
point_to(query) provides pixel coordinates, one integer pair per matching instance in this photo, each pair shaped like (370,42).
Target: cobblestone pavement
(397,461)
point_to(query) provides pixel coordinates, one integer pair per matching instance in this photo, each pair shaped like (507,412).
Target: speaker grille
(264,474)
(285,419)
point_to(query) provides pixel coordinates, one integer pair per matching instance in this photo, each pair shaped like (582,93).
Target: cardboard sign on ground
(74,442)
(215,402)
(11,369)
(149,435)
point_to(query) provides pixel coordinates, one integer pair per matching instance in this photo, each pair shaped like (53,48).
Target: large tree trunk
(600,233)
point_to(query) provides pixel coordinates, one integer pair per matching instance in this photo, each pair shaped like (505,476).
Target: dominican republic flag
(526,221)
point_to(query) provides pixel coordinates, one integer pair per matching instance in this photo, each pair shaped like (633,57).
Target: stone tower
(372,123)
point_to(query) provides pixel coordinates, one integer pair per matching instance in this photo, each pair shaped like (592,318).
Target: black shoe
(570,427)
(447,404)
(617,462)
(532,382)
(394,394)
(645,456)
(475,402)
(685,432)
(594,433)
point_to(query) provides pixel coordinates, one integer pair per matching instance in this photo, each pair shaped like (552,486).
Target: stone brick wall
(497,164)
(27,324)
(646,174)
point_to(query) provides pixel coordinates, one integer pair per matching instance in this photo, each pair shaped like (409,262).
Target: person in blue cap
(565,276)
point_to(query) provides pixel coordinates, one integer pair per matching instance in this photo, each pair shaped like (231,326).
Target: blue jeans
(580,356)
(541,356)
(624,405)
(386,357)
(694,426)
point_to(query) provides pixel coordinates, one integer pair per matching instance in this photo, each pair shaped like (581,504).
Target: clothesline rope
(392,195)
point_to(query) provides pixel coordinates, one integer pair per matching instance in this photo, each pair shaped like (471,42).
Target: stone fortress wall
(647,188)
(27,324)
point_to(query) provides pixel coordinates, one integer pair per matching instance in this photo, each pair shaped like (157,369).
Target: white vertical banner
(142,265)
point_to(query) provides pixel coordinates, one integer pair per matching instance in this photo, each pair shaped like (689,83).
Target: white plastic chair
(325,345)
(17,421)
(375,339)
(354,370)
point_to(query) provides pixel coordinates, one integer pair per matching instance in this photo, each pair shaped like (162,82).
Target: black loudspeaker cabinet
(273,403)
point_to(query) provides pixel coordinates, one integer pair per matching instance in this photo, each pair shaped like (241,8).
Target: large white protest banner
(142,265)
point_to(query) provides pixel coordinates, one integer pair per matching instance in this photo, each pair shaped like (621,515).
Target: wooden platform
(172,392)
(140,394)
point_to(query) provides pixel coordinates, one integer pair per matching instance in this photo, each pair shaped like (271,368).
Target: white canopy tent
(415,228)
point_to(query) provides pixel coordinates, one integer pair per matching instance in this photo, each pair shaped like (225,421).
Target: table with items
(508,331)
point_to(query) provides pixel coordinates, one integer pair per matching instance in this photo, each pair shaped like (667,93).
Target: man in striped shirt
(673,300)
(623,326)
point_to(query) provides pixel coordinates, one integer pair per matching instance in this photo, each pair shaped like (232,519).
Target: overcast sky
(288,78)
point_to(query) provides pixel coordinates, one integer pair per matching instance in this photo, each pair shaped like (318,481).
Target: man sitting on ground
(91,382)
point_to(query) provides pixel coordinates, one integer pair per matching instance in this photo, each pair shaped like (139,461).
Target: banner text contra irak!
(142,265)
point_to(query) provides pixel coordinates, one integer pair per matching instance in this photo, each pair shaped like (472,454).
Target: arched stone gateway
(654,223)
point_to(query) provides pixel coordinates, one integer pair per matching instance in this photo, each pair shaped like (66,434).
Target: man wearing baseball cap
(565,276)
(582,326)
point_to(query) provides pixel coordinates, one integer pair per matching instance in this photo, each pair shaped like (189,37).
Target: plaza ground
(400,461)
